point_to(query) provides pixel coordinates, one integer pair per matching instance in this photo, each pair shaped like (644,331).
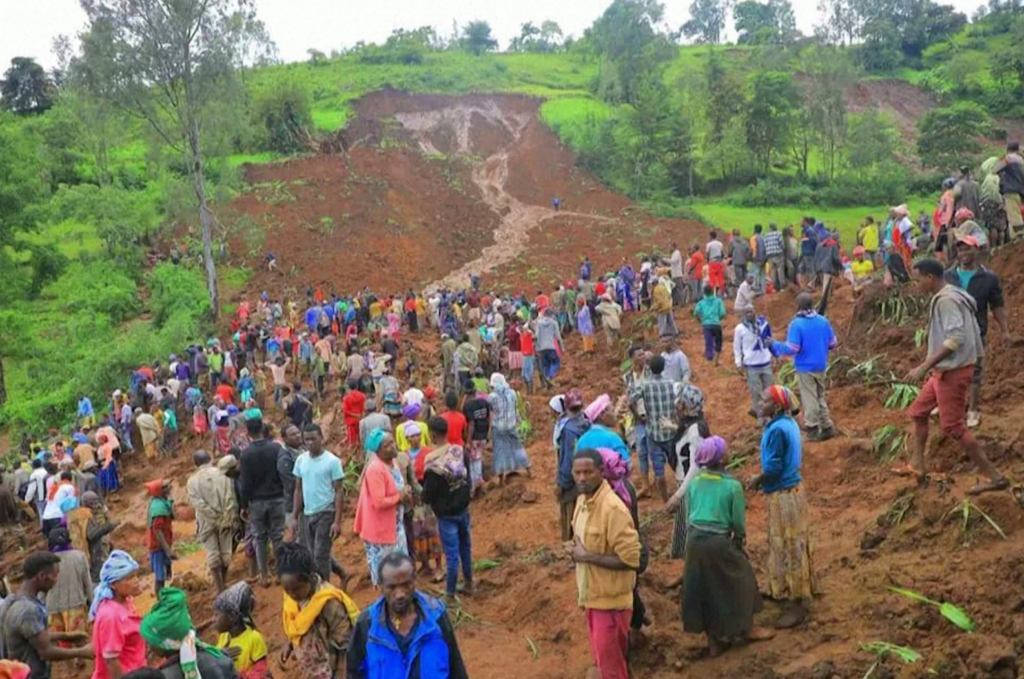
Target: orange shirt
(696,264)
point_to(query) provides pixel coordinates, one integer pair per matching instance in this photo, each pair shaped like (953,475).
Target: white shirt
(677,264)
(36,486)
(746,351)
(744,297)
(413,397)
(174,386)
(716,251)
(52,508)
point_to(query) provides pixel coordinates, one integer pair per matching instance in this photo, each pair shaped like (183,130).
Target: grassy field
(846,219)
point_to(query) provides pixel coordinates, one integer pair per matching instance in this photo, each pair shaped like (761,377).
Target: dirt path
(491,177)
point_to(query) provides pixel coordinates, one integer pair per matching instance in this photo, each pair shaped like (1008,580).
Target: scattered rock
(823,670)
(506,549)
(992,654)
(529,497)
(872,539)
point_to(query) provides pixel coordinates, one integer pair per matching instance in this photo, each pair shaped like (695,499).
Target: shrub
(282,113)
(174,289)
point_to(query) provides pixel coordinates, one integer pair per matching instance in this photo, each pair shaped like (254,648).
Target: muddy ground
(491,214)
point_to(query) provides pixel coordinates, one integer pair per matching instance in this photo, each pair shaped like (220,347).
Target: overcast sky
(28,26)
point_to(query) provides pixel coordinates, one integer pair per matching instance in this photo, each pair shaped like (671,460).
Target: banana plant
(955,615)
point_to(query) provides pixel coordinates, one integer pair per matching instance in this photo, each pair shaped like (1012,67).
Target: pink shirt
(116,635)
(376,511)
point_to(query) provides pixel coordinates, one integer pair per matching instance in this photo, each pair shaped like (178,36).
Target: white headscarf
(498,382)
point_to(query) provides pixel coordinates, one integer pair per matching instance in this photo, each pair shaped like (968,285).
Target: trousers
(457,544)
(608,632)
(812,397)
(759,379)
(267,519)
(317,539)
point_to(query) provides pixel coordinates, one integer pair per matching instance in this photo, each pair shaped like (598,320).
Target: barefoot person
(954,347)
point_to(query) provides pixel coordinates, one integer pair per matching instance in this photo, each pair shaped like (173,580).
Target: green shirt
(710,311)
(715,501)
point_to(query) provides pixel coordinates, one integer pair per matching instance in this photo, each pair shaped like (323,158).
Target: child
(585,325)
(861,267)
(160,536)
(238,634)
(711,311)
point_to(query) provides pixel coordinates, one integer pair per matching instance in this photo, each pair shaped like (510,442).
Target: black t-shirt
(300,411)
(478,412)
(21,619)
(390,347)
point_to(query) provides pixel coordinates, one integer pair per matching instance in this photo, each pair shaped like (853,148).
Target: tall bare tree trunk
(3,384)
(205,216)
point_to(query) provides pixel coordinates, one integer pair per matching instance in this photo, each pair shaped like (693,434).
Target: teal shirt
(710,311)
(715,501)
(318,475)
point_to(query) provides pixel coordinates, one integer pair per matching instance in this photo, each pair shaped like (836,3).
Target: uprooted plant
(955,615)
(898,510)
(901,395)
(888,442)
(883,649)
(866,370)
(965,509)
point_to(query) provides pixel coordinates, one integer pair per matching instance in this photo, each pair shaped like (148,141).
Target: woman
(59,499)
(246,386)
(68,602)
(426,538)
(662,307)
(585,324)
(790,569)
(410,428)
(317,618)
(720,594)
(107,476)
(692,430)
(239,638)
(389,394)
(167,629)
(379,512)
(601,433)
(116,640)
(509,452)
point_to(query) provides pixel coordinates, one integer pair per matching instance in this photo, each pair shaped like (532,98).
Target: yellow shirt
(604,525)
(862,269)
(250,643)
(869,237)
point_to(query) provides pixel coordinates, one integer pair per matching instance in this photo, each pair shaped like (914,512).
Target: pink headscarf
(615,471)
(595,409)
(710,452)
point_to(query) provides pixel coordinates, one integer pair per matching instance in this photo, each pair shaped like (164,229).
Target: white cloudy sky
(28,26)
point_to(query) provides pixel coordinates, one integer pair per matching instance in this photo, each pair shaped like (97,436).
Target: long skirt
(515,360)
(790,567)
(107,478)
(425,534)
(679,532)
(376,552)
(509,452)
(74,620)
(720,594)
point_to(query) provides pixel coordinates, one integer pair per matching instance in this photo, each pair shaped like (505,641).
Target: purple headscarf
(615,471)
(710,452)
(411,411)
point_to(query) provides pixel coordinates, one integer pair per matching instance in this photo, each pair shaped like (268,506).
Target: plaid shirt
(503,404)
(659,397)
(773,243)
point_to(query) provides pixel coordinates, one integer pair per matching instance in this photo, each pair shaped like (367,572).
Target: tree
(25,88)
(707,21)
(771,22)
(770,115)
(872,140)
(632,47)
(283,113)
(830,72)
(547,38)
(476,38)
(168,62)
(948,137)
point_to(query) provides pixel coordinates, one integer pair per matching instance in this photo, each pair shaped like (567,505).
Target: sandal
(990,487)
(761,634)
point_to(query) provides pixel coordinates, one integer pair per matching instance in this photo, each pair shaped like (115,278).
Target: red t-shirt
(161,524)
(115,634)
(353,405)
(225,392)
(543,302)
(600,288)
(526,342)
(456,427)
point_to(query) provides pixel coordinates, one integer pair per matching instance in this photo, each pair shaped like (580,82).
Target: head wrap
(227,463)
(371,405)
(252,414)
(374,440)
(411,410)
(963,214)
(710,452)
(557,404)
(615,473)
(412,429)
(782,397)
(901,211)
(118,566)
(59,540)
(691,397)
(859,250)
(155,487)
(11,669)
(244,372)
(597,408)
(238,602)
(168,627)
(498,382)
(447,461)
(90,499)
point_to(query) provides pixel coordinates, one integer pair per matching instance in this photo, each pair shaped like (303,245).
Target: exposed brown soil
(530,599)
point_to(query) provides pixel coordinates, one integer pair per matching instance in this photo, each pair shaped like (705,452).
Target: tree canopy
(25,88)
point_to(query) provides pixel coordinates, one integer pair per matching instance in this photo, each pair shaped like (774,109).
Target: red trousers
(716,275)
(948,391)
(609,641)
(353,433)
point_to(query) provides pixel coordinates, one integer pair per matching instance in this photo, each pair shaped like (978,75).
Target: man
(373,420)
(759,256)
(739,251)
(659,399)
(809,340)
(448,347)
(467,357)
(353,407)
(606,550)
(477,411)
(572,428)
(993,212)
(261,493)
(676,271)
(966,192)
(954,347)
(318,497)
(212,494)
(808,246)
(299,408)
(24,636)
(403,618)
(549,344)
(984,286)
(775,251)
(716,263)
(751,348)
(35,495)
(631,379)
(677,366)
(1010,169)
(611,318)
(745,294)
(86,415)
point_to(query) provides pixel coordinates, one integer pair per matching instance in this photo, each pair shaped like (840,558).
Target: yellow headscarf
(298,621)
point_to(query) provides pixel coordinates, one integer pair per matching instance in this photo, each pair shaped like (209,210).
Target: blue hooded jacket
(374,653)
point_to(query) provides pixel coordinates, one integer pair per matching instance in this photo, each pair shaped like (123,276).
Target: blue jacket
(433,653)
(781,454)
(572,430)
(808,341)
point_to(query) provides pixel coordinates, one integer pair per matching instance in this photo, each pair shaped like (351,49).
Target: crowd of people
(422,441)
